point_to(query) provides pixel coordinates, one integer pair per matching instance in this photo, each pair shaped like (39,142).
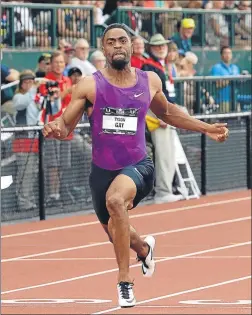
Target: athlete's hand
(55,129)
(218,132)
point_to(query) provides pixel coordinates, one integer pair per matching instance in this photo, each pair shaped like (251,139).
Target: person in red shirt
(137,58)
(64,83)
(57,154)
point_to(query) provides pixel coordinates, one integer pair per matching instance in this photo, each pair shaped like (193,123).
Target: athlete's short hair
(116,25)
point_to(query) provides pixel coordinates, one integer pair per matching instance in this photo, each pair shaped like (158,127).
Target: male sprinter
(122,174)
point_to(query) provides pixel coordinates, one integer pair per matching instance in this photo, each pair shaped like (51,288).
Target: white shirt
(86,67)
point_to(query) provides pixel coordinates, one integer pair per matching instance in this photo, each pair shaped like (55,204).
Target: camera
(51,84)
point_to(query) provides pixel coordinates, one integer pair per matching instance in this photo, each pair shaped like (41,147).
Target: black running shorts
(100,179)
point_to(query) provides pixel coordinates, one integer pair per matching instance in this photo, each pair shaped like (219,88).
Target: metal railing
(214,94)
(38,165)
(235,26)
(208,94)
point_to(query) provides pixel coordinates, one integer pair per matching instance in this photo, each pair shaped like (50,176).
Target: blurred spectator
(58,153)
(183,37)
(73,23)
(99,18)
(63,43)
(25,34)
(67,26)
(25,145)
(68,55)
(243,25)
(44,65)
(109,7)
(217,30)
(231,4)
(166,22)
(42,19)
(74,75)
(171,59)
(137,59)
(186,69)
(98,59)
(191,3)
(187,65)
(158,52)
(224,68)
(7,76)
(81,57)
(162,137)
(131,18)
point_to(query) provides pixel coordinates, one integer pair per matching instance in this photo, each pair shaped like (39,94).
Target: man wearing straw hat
(163,136)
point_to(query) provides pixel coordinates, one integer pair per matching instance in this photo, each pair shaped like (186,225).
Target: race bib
(120,121)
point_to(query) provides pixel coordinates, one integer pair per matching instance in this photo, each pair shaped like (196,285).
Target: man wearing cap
(68,51)
(44,65)
(162,137)
(75,74)
(183,37)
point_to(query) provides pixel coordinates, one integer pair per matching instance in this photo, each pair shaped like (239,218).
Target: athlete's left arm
(173,115)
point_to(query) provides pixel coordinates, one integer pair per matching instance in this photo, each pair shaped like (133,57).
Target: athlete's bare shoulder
(87,82)
(85,87)
(155,84)
(154,79)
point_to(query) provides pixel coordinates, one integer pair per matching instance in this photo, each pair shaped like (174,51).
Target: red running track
(67,266)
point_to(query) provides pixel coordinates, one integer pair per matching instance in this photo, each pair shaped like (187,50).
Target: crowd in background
(168,54)
(33,26)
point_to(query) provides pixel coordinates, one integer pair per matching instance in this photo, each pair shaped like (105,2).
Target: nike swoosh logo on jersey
(137,95)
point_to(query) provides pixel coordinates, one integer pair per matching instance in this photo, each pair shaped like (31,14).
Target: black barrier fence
(52,177)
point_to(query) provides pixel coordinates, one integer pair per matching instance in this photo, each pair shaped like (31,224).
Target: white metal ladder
(181,159)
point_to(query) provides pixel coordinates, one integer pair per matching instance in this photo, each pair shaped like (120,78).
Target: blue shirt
(65,73)
(184,45)
(5,71)
(222,69)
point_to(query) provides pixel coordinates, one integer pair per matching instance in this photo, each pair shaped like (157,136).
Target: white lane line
(195,227)
(158,212)
(162,297)
(116,269)
(132,258)
(195,306)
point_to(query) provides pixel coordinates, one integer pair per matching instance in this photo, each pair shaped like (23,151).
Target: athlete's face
(117,48)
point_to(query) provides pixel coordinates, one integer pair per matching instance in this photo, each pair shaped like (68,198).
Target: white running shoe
(148,263)
(125,294)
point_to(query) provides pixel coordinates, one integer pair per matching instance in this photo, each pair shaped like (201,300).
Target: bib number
(120,121)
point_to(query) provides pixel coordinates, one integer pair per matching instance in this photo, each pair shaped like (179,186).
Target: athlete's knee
(115,204)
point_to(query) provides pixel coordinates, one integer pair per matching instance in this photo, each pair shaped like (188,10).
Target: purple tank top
(118,122)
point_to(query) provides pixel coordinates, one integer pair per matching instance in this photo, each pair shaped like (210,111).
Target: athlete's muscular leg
(119,199)
(136,243)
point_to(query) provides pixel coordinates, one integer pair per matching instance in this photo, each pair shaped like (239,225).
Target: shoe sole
(146,274)
(128,305)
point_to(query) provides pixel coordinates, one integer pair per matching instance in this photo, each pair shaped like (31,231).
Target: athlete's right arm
(61,127)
